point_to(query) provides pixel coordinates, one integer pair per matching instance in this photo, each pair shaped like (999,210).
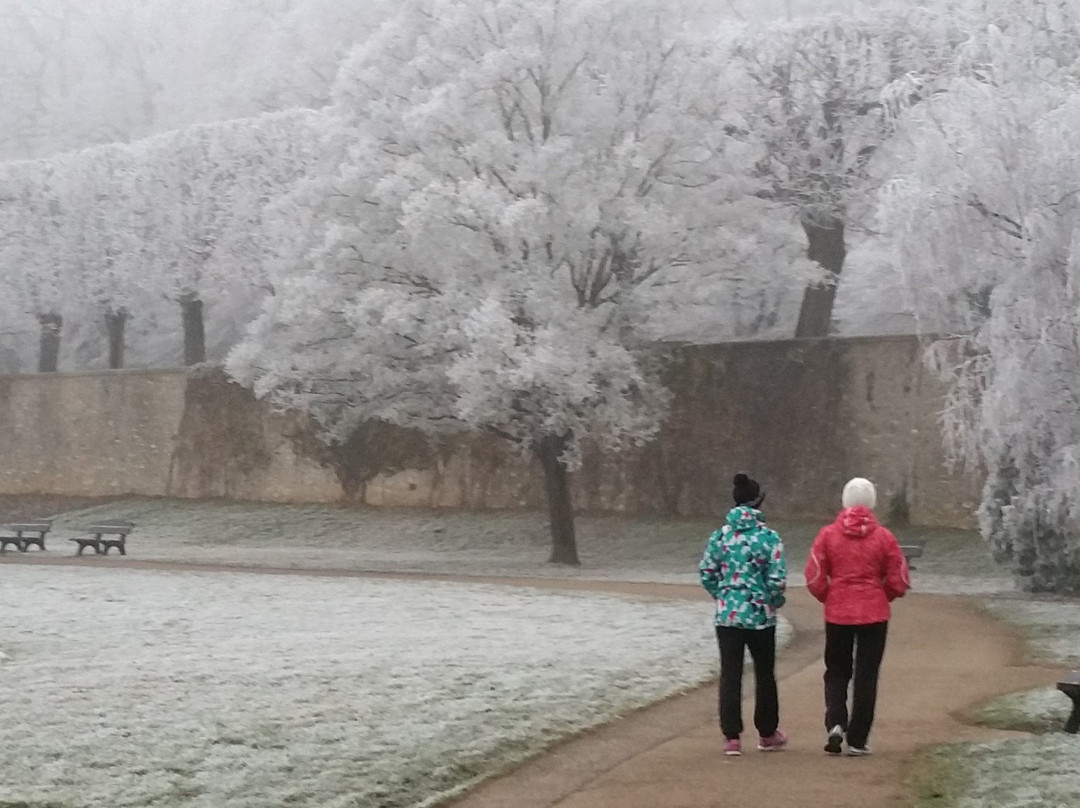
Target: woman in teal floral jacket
(744,570)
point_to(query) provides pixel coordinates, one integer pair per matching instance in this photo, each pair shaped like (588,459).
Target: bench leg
(1073,723)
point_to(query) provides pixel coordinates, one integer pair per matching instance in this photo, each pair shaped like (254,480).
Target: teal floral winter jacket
(745,571)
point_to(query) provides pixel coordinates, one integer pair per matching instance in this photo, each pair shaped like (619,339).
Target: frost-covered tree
(72,241)
(107,203)
(820,94)
(205,229)
(42,208)
(986,215)
(111,228)
(518,178)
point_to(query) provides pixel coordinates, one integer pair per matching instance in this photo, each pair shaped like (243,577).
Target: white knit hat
(859,491)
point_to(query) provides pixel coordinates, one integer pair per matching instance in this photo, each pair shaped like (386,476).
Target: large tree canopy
(519,181)
(819,95)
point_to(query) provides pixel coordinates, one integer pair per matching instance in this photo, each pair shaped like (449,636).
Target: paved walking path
(943,656)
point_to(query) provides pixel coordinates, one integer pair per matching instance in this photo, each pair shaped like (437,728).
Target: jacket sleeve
(776,575)
(709,568)
(817,570)
(896,579)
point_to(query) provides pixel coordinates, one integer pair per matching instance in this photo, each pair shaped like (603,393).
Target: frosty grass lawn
(145,688)
(491,543)
(1037,772)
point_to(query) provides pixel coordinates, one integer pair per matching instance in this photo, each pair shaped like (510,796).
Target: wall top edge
(840,340)
(80,374)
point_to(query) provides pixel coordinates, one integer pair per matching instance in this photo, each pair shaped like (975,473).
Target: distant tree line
(177,215)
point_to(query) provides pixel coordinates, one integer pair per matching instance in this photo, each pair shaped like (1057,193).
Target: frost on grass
(1039,711)
(511,543)
(1052,626)
(1052,629)
(1037,773)
(135,688)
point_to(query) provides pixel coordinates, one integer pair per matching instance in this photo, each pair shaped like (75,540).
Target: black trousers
(853,653)
(762,645)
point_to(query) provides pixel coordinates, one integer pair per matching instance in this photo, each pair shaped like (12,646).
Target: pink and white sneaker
(732,747)
(771,743)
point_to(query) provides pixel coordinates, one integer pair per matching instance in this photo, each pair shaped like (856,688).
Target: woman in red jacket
(856,569)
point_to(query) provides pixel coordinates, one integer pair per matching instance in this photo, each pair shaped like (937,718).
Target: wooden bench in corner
(104,536)
(1070,686)
(27,533)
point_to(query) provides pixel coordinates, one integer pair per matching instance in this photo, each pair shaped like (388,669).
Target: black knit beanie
(746,491)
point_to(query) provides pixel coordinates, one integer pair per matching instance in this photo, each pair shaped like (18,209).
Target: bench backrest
(39,525)
(119,526)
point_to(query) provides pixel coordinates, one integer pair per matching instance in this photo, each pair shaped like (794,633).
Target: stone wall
(801,416)
(88,433)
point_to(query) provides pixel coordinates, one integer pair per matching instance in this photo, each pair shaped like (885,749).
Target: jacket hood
(857,522)
(743,518)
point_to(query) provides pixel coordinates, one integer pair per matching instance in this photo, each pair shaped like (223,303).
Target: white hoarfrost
(521,187)
(1040,771)
(183,215)
(1052,627)
(136,688)
(815,96)
(986,215)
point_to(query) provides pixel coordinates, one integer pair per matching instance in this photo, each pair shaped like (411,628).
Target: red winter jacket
(856,568)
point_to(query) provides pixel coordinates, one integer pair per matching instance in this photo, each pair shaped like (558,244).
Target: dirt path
(943,656)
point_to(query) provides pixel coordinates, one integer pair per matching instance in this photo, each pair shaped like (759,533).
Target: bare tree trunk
(549,450)
(115,321)
(191,308)
(49,350)
(827,248)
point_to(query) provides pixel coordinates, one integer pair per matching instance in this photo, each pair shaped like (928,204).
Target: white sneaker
(858,751)
(834,745)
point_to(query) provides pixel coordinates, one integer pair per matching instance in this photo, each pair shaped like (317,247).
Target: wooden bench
(26,534)
(1070,686)
(911,551)
(117,529)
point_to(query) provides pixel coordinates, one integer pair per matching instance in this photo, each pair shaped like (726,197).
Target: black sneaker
(835,744)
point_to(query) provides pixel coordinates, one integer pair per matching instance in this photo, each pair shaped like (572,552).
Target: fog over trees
(484,214)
